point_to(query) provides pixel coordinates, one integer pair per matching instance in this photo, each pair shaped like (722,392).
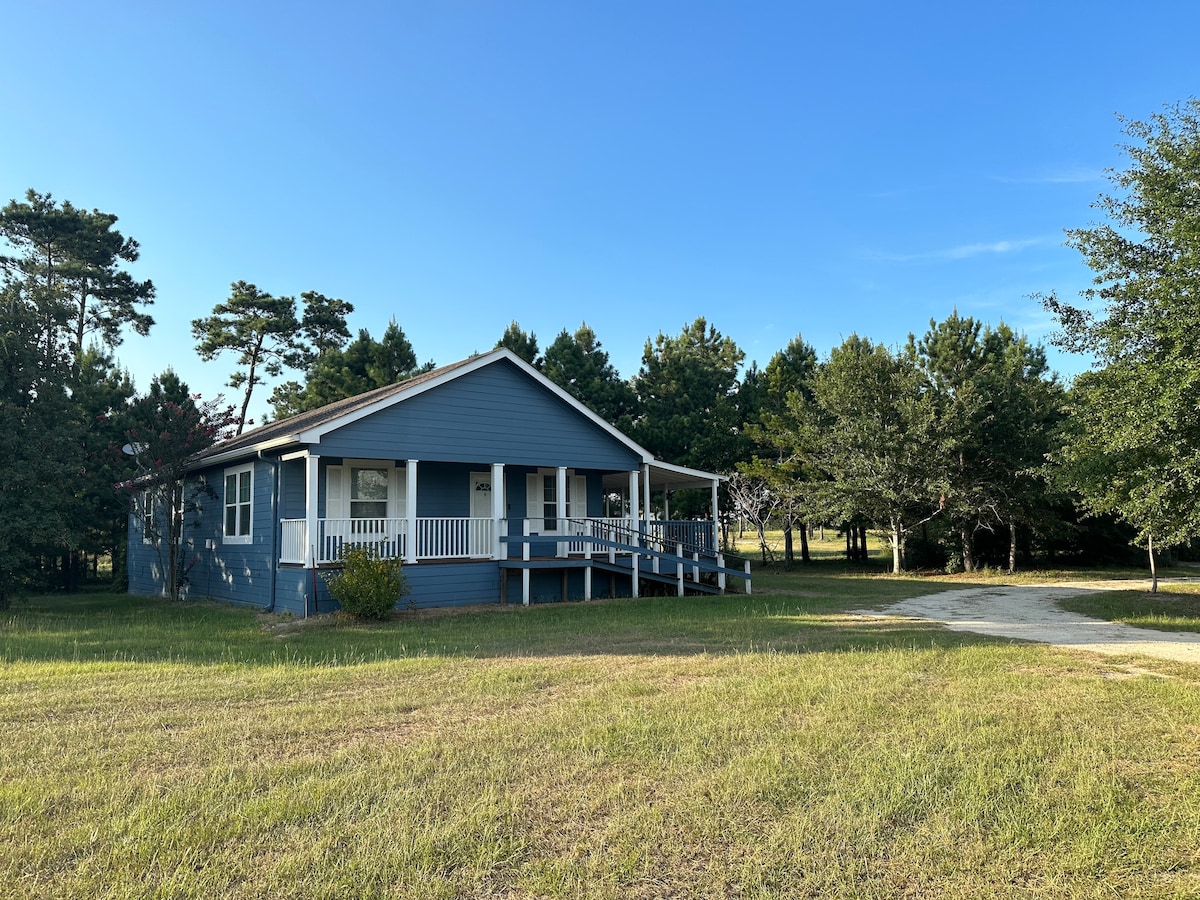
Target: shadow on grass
(792,615)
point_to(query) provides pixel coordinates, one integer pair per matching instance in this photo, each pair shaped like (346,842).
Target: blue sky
(778,168)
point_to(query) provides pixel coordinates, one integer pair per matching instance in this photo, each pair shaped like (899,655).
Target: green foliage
(997,406)
(262,330)
(776,460)
(66,300)
(687,405)
(103,391)
(324,322)
(363,365)
(369,585)
(576,363)
(1134,445)
(523,344)
(40,443)
(69,261)
(872,431)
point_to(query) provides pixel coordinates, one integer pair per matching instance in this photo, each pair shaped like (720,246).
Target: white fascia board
(242,452)
(685,472)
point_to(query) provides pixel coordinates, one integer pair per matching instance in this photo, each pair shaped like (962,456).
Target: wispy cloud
(962,251)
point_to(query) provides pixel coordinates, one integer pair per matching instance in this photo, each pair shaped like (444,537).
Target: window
(145,511)
(239,492)
(541,499)
(365,489)
(369,493)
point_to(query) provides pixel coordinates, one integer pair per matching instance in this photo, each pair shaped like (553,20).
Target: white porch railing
(666,535)
(437,538)
(455,538)
(471,538)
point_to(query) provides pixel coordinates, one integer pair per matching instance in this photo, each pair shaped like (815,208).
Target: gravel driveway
(1031,614)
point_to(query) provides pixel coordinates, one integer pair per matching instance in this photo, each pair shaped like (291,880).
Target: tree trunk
(804,557)
(1153,569)
(822,534)
(894,537)
(968,549)
(1012,546)
(862,542)
(788,555)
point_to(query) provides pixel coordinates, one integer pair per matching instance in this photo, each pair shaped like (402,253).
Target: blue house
(489,481)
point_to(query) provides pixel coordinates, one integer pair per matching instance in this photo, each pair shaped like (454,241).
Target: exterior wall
(141,563)
(239,573)
(431,584)
(444,489)
(495,414)
(292,488)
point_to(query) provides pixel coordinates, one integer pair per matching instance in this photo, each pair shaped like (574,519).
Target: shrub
(368,585)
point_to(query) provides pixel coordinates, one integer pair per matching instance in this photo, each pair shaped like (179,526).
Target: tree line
(960,447)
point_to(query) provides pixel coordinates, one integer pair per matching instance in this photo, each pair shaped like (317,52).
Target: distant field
(764,746)
(830,546)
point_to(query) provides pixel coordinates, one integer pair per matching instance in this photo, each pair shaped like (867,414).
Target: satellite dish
(134,449)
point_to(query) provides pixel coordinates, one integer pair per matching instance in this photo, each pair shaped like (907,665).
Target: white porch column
(312,472)
(716,529)
(634,502)
(560,508)
(646,491)
(410,510)
(498,511)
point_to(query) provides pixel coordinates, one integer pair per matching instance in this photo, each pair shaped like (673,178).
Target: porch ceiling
(664,476)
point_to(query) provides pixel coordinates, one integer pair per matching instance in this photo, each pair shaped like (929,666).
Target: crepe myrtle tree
(172,427)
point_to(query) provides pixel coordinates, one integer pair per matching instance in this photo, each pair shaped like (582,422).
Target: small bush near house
(368,586)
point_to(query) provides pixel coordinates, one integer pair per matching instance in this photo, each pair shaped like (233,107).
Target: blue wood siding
(444,489)
(431,584)
(141,563)
(240,573)
(293,475)
(495,414)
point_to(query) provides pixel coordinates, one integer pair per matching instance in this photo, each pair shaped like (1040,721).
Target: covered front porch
(329,504)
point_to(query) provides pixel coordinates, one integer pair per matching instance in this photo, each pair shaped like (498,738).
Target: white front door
(479,535)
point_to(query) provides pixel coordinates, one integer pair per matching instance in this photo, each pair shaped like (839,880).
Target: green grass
(766,746)
(1176,607)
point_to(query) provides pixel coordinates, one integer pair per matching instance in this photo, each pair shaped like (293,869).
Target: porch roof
(666,476)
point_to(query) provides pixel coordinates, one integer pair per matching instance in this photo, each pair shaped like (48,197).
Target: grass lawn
(1176,607)
(765,746)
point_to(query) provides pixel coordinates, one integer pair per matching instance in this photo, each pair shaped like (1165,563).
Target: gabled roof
(308,428)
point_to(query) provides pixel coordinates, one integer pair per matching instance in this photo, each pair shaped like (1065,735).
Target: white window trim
(236,471)
(397,487)
(144,516)
(574,503)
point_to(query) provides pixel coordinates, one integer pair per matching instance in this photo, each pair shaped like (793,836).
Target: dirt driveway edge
(1031,613)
